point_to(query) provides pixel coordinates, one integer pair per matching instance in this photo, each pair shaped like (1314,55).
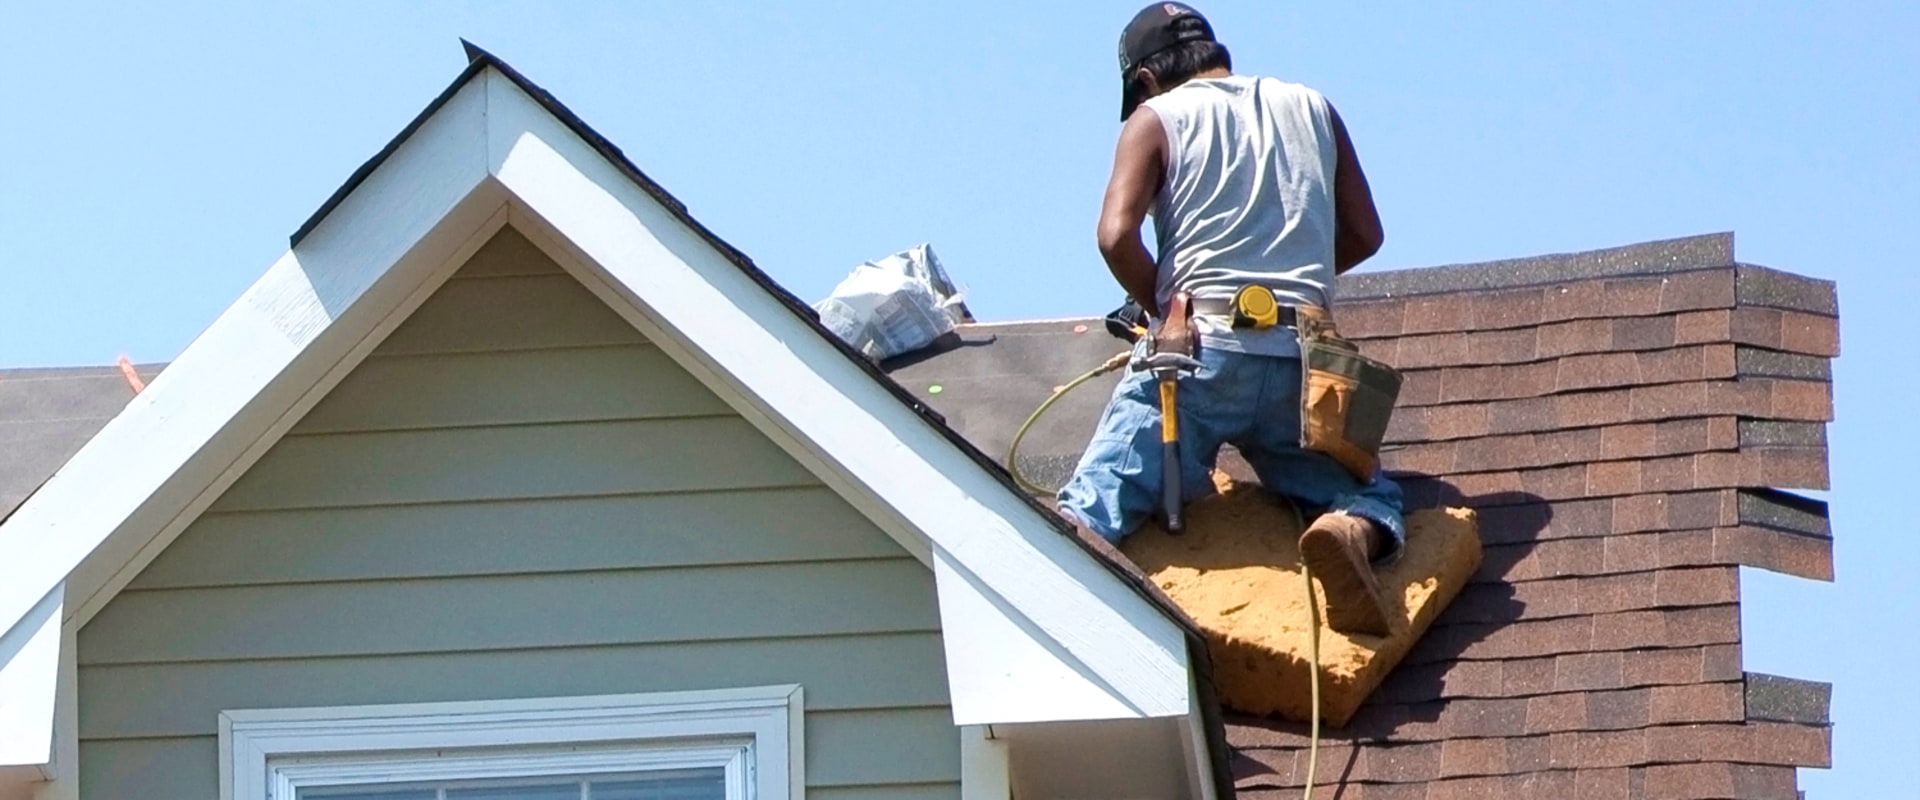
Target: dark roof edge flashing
(474,66)
(1709,251)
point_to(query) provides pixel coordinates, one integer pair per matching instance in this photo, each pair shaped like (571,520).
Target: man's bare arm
(1357,232)
(1139,162)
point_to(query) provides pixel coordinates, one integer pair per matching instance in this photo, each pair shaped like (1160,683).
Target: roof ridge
(1685,254)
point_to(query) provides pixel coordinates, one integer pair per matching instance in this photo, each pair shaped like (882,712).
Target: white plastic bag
(895,305)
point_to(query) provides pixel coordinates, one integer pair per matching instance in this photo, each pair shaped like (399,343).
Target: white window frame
(754,733)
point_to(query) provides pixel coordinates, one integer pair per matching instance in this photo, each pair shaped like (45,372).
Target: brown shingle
(1644,333)
(1529,754)
(1528,677)
(1602,784)
(1438,313)
(1788,744)
(1698,587)
(1570,301)
(1407,763)
(1600,370)
(1512,308)
(1786,553)
(1687,549)
(1715,781)
(1588,671)
(1618,710)
(1600,749)
(1637,440)
(1704,702)
(1631,297)
(1605,594)
(1557,712)
(1629,629)
(1569,447)
(1702,327)
(1721,663)
(1702,625)
(1688,291)
(1808,401)
(1514,346)
(1662,667)
(1810,334)
(1435,350)
(1610,478)
(1456,422)
(1461,757)
(1575,337)
(1632,553)
(1786,331)
(1370,318)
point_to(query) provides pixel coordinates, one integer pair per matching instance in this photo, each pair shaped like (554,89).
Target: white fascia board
(834,418)
(1022,675)
(29,679)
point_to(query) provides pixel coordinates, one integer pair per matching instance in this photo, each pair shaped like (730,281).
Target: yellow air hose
(1013,464)
(1313,679)
(1313,608)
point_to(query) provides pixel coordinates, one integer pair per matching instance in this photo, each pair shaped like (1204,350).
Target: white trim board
(493,155)
(756,734)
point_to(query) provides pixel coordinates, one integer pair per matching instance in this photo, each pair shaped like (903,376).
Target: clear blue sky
(158,157)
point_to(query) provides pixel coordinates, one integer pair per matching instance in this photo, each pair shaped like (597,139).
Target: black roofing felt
(479,60)
(46,415)
(987,383)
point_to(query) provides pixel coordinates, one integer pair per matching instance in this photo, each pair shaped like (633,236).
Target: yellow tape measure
(1255,307)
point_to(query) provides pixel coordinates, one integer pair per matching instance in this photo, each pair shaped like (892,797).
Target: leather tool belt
(1346,399)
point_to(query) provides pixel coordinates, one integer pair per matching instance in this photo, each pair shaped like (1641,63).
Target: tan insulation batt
(1236,571)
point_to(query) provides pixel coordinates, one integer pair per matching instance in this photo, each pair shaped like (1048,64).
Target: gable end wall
(518,496)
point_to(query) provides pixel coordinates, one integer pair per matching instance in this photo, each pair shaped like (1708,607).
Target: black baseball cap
(1151,31)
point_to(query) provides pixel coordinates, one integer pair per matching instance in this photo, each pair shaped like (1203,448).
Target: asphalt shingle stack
(1625,422)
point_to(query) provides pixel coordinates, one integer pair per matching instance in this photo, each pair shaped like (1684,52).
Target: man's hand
(1357,234)
(1139,164)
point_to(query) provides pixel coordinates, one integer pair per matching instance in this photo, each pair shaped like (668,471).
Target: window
(735,744)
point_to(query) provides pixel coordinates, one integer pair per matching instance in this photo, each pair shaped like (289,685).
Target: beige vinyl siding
(518,496)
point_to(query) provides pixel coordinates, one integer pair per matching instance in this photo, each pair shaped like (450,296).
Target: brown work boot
(1340,550)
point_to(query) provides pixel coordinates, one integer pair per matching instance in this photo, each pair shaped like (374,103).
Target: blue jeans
(1249,401)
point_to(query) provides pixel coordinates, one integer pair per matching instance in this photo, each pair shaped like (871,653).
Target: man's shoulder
(1270,84)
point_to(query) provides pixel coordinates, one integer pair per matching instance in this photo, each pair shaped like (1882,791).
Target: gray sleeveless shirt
(1248,198)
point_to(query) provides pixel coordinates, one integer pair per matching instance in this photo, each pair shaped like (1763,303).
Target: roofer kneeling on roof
(1254,188)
